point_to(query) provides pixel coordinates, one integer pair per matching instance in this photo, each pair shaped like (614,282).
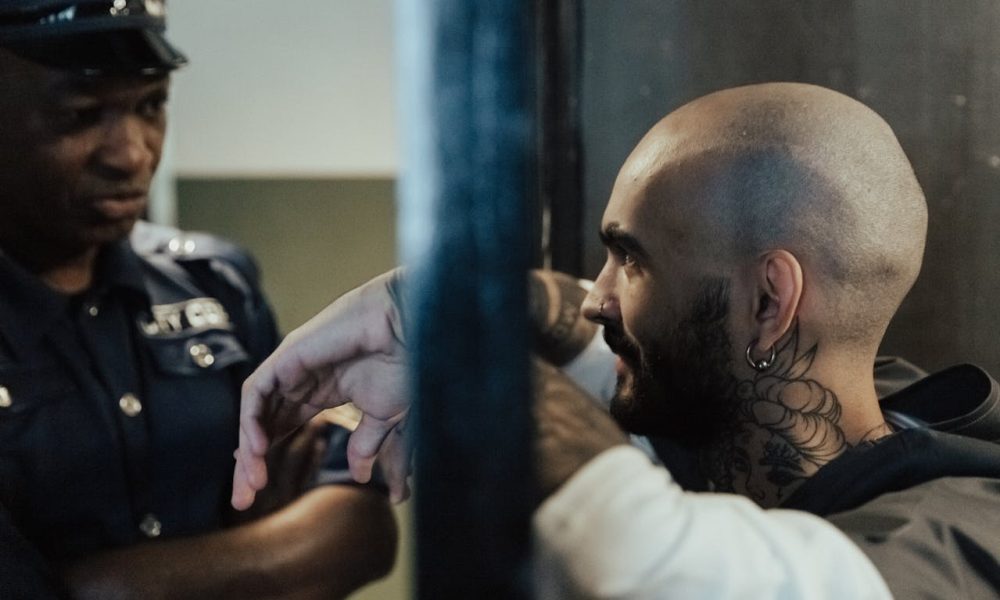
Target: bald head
(795,167)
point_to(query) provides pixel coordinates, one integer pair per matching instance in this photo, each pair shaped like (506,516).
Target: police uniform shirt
(119,407)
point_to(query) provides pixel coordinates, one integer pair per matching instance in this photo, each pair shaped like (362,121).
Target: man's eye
(624,257)
(77,117)
(153,108)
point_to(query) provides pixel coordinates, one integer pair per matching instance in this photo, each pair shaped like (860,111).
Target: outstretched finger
(256,391)
(254,465)
(243,492)
(364,445)
(394,460)
(250,471)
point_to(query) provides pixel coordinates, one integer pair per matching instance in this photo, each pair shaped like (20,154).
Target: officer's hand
(292,464)
(350,352)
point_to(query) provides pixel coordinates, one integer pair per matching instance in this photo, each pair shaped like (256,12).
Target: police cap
(92,37)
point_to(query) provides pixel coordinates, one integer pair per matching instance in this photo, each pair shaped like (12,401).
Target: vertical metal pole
(466,74)
(559,149)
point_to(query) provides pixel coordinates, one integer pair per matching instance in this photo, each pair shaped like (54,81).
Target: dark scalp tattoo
(560,330)
(784,426)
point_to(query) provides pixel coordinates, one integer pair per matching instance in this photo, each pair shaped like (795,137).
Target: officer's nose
(128,148)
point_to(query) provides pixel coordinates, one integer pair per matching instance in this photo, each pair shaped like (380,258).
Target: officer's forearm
(23,571)
(559,328)
(329,542)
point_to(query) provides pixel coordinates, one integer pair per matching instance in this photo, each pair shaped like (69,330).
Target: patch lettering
(196,314)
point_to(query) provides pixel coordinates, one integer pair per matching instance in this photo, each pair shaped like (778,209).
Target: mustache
(122,193)
(620,344)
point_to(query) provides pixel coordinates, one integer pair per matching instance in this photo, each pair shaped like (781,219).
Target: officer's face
(77,156)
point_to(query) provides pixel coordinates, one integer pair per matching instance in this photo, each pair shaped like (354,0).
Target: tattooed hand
(560,330)
(570,429)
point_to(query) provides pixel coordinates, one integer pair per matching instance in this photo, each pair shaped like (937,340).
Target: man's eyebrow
(77,84)
(84,85)
(612,235)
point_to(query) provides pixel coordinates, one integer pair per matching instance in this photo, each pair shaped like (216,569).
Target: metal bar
(559,27)
(466,75)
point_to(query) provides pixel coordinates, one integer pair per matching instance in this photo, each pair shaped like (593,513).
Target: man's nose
(126,149)
(591,307)
(601,304)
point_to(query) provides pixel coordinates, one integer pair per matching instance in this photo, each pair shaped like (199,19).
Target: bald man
(759,241)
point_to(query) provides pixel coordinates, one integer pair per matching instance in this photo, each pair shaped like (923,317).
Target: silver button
(5,399)
(202,356)
(150,526)
(155,8)
(181,246)
(130,405)
(92,310)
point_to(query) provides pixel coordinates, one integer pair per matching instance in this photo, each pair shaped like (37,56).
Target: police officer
(123,346)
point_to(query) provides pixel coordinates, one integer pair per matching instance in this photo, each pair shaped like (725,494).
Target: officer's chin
(109,232)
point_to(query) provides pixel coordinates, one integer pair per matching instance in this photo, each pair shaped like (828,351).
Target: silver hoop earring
(763,364)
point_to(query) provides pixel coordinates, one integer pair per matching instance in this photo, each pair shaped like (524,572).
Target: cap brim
(125,52)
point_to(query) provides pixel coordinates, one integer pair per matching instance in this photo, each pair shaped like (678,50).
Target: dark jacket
(924,502)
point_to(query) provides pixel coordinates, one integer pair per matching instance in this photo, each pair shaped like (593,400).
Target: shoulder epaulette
(150,239)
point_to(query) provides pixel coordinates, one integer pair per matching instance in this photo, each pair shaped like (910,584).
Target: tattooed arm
(354,351)
(563,337)
(561,332)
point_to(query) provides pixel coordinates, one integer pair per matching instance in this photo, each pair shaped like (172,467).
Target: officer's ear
(778,291)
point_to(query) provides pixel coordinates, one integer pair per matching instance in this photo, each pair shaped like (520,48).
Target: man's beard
(680,382)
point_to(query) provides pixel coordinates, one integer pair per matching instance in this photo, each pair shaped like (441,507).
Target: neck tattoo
(783,427)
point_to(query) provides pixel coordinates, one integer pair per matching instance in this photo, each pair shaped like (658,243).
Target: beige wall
(314,240)
(280,88)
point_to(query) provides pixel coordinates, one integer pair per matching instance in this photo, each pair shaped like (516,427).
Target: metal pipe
(466,71)
(559,150)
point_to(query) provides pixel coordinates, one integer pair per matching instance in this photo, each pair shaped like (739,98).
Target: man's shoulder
(904,460)
(962,400)
(162,242)
(202,265)
(935,539)
(943,499)
(918,503)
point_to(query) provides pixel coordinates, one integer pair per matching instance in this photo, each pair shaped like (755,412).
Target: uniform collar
(29,308)
(120,267)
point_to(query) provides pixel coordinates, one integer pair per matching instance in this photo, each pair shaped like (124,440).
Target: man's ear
(778,278)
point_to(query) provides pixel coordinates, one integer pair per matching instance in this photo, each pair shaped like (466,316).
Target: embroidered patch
(196,314)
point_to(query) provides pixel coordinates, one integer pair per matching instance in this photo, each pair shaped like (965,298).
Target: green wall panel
(313,238)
